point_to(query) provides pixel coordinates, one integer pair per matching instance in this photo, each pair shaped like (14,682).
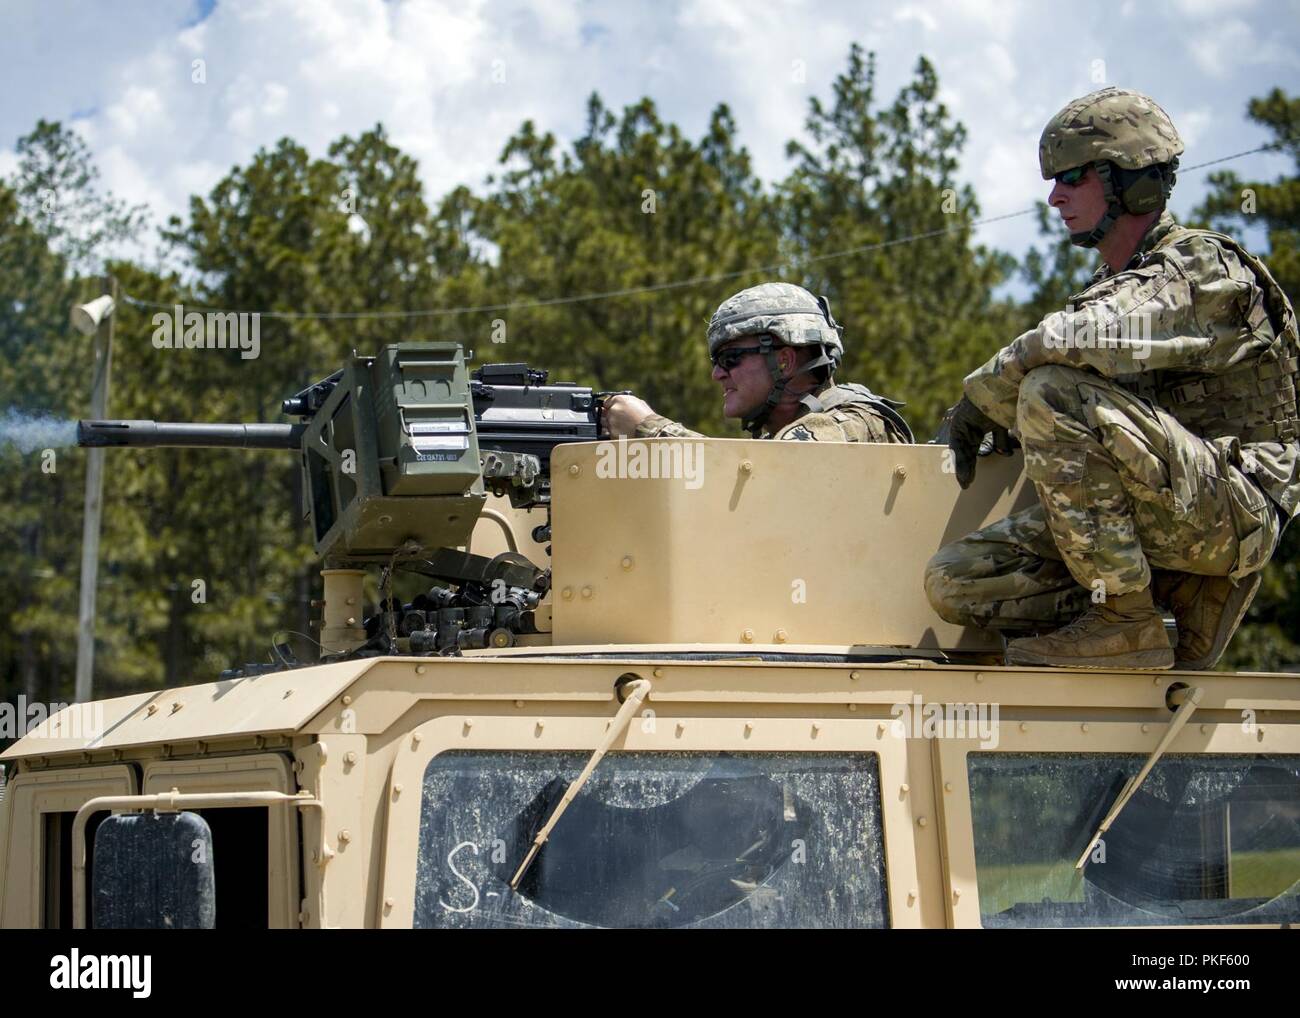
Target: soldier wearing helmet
(1158,417)
(775,348)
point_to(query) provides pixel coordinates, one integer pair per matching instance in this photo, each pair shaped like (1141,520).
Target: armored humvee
(657,683)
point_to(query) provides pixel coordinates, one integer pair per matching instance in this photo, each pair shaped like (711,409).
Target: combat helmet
(1128,138)
(778,314)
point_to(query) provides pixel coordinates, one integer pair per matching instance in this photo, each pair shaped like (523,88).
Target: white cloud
(452,79)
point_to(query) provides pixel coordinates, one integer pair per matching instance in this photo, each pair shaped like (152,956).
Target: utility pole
(98,314)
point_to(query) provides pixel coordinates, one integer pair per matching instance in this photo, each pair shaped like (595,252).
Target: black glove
(971,434)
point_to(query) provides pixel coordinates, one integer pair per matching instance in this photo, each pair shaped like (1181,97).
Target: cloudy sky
(452,80)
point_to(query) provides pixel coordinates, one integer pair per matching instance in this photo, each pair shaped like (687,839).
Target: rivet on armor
(574,470)
(627,561)
(780,636)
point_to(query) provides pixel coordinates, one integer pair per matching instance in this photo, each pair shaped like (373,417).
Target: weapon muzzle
(155,434)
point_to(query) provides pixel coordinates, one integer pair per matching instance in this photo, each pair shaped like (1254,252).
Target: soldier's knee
(1047,393)
(940,588)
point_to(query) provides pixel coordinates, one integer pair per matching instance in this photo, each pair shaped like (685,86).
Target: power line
(632,291)
(1270,147)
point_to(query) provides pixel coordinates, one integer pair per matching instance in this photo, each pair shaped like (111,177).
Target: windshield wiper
(1191,700)
(636,691)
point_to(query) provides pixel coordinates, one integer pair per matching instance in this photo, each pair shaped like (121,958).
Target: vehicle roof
(276,702)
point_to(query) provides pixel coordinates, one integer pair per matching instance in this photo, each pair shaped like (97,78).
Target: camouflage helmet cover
(788,312)
(1124,127)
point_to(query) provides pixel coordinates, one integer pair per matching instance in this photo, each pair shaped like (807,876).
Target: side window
(1207,839)
(653,840)
(56,866)
(239,861)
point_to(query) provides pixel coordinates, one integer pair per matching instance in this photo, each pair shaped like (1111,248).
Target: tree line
(631,203)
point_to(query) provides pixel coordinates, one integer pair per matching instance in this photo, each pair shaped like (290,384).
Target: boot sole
(1139,661)
(1235,609)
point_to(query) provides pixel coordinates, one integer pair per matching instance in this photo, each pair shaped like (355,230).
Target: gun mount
(398,454)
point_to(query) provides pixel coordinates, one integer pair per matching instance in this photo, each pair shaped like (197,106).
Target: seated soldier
(775,348)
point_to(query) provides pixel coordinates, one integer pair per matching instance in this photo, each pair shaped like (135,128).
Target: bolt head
(574,470)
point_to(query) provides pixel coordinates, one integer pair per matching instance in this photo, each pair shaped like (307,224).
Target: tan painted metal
(660,577)
(342,609)
(780,542)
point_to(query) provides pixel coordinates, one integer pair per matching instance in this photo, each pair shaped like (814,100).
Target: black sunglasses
(728,359)
(1072,177)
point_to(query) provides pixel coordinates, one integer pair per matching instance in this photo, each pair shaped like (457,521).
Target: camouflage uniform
(831,413)
(1158,417)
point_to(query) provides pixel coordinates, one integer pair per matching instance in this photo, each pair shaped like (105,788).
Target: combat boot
(1208,610)
(1124,631)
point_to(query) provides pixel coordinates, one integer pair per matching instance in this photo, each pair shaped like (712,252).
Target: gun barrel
(188,434)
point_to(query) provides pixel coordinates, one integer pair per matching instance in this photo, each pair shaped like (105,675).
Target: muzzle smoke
(28,432)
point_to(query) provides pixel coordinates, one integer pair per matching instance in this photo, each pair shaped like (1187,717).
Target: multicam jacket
(1194,324)
(832,413)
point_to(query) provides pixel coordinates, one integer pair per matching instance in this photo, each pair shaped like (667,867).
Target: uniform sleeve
(656,426)
(861,424)
(1181,311)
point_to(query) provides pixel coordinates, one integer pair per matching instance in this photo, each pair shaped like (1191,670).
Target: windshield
(654,839)
(1207,839)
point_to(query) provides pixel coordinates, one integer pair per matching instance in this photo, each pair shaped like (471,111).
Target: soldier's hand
(621,415)
(967,427)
